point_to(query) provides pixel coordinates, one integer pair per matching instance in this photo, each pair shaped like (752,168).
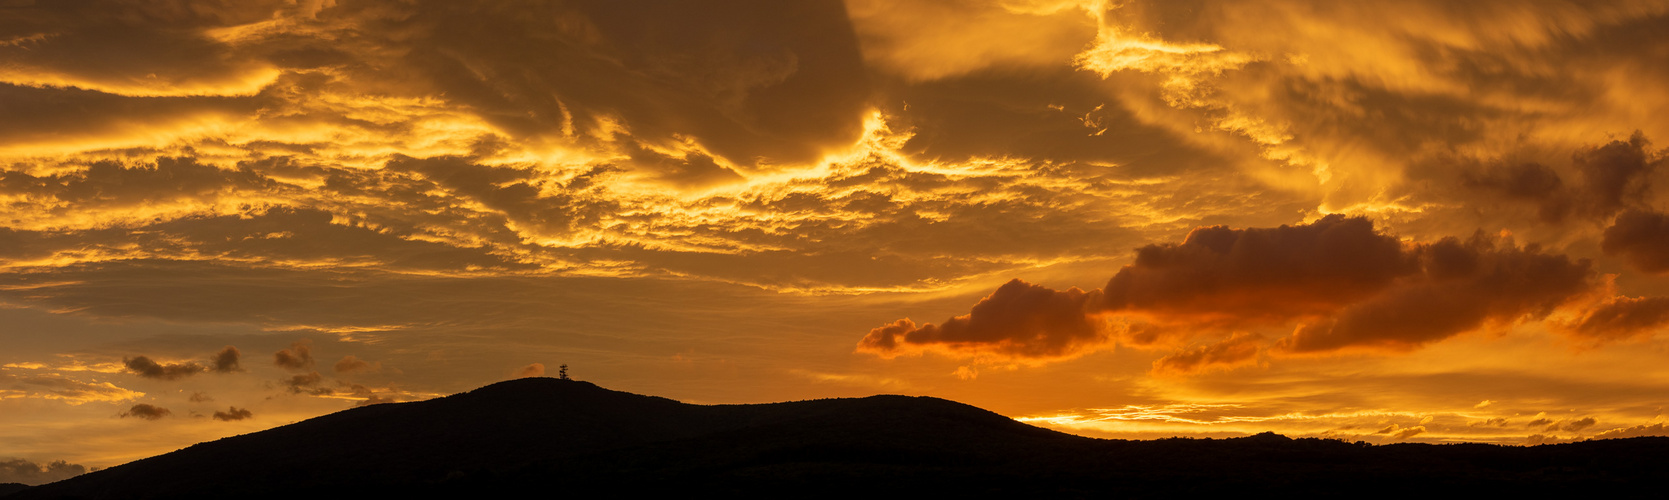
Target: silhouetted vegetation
(547,434)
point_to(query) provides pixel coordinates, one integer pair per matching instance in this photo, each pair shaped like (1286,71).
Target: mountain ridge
(543,433)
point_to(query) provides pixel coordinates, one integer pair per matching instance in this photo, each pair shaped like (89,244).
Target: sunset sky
(1422,220)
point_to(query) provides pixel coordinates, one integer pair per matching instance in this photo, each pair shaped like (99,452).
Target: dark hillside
(556,436)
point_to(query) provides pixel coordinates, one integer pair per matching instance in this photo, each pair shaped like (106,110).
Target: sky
(1411,221)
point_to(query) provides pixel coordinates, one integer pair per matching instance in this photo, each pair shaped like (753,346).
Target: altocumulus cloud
(145,367)
(146,412)
(224,361)
(1019,320)
(233,413)
(298,357)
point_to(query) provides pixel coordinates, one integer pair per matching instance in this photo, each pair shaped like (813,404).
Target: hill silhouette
(566,437)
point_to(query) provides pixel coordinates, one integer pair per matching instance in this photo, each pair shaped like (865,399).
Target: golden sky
(1417,220)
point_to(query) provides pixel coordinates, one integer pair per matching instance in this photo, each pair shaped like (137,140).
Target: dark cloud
(1529,183)
(308,383)
(147,412)
(1601,181)
(1348,286)
(1619,318)
(1018,320)
(1614,175)
(1641,238)
(1460,286)
(350,363)
(18,470)
(1353,286)
(198,397)
(1274,273)
(226,361)
(144,367)
(232,413)
(1237,350)
(298,357)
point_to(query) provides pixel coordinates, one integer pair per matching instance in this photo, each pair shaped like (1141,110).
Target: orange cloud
(308,383)
(298,357)
(1349,286)
(1019,320)
(145,411)
(1238,350)
(144,367)
(1615,174)
(233,413)
(1218,274)
(1459,287)
(226,361)
(1641,238)
(1619,318)
(350,363)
